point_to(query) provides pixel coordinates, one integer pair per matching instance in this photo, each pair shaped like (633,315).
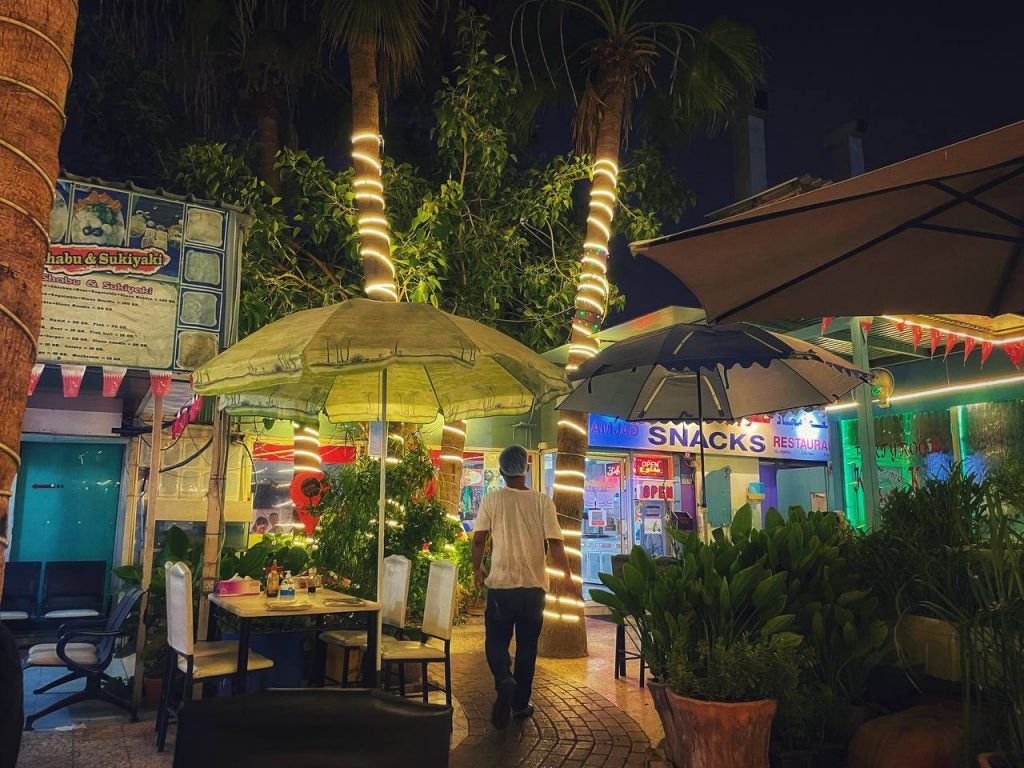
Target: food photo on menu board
(131,279)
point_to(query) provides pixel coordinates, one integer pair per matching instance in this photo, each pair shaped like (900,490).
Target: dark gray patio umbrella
(709,373)
(942,233)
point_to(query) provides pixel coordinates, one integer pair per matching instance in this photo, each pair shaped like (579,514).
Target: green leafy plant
(741,670)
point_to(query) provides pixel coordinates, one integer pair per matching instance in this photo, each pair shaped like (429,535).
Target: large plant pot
(713,734)
(992,760)
(929,643)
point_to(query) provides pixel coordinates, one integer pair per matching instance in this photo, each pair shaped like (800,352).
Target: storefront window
(480,476)
(991,433)
(910,448)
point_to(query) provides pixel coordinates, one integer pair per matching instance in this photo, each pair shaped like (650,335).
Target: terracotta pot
(714,734)
(919,737)
(992,760)
(152,690)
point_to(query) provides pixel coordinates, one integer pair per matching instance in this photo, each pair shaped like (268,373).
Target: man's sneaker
(502,709)
(525,712)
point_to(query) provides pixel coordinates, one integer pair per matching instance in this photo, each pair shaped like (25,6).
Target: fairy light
(600,225)
(595,247)
(574,551)
(382,257)
(372,231)
(372,196)
(392,461)
(605,193)
(573,425)
(561,574)
(600,290)
(936,391)
(596,262)
(306,454)
(367,136)
(364,181)
(567,488)
(602,171)
(598,307)
(575,534)
(583,330)
(365,219)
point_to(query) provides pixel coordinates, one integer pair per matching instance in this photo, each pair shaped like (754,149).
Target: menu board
(133,280)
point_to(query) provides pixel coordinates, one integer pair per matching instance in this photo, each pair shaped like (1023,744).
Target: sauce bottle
(273,581)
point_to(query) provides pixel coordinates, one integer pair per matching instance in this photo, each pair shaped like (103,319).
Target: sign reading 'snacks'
(135,280)
(802,436)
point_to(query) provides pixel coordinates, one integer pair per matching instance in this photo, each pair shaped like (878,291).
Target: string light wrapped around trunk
(372,222)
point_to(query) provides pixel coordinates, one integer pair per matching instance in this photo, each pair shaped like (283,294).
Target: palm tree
(383,39)
(705,73)
(36,39)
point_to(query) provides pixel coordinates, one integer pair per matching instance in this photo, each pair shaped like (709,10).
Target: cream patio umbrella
(364,360)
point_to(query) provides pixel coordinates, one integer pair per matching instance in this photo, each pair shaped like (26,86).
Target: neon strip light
(595,247)
(600,225)
(374,220)
(370,196)
(357,137)
(571,472)
(585,331)
(604,207)
(369,159)
(583,349)
(387,288)
(596,262)
(380,257)
(606,193)
(610,163)
(603,172)
(374,232)
(567,488)
(307,454)
(598,307)
(572,425)
(996,342)
(934,392)
(365,182)
(599,289)
(567,532)
(574,551)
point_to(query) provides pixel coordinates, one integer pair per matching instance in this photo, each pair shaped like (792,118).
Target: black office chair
(21,590)
(85,649)
(74,589)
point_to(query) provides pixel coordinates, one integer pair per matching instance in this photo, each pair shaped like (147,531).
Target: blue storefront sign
(800,436)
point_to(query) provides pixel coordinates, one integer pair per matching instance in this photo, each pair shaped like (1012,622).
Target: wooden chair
(394,606)
(438,617)
(21,590)
(199,661)
(85,649)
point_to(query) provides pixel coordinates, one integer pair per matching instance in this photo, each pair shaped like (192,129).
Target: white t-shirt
(519,522)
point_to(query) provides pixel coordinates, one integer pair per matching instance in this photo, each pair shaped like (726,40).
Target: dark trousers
(520,610)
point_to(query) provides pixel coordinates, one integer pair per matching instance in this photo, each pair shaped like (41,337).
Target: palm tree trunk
(36,38)
(268,139)
(374,232)
(567,637)
(449,485)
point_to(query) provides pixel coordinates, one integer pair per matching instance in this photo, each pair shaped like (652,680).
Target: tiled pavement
(584,717)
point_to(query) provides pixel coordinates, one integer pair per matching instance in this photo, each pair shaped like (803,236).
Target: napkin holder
(237,587)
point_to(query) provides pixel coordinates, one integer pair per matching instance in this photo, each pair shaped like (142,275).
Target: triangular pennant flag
(986,350)
(952,339)
(915,333)
(71,376)
(37,371)
(194,408)
(1015,351)
(112,378)
(936,335)
(865,326)
(900,325)
(969,343)
(825,323)
(160,382)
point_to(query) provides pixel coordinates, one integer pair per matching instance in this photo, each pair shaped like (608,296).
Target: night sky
(921,78)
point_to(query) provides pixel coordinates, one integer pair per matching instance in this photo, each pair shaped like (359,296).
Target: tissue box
(236,586)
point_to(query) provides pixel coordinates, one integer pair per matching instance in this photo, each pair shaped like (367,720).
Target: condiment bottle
(273,581)
(288,587)
(311,581)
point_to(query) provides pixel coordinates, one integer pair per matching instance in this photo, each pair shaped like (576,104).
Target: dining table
(327,608)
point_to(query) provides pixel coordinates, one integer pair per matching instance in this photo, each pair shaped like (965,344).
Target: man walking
(521,524)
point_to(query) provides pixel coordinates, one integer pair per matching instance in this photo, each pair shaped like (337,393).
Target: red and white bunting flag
(952,339)
(71,376)
(112,378)
(1015,351)
(33,380)
(901,324)
(936,335)
(986,350)
(825,323)
(160,382)
(865,326)
(915,332)
(969,344)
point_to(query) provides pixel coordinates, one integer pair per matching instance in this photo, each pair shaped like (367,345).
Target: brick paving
(573,726)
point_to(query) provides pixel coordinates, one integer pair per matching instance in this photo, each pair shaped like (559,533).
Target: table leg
(370,671)
(243,656)
(319,671)
(211,623)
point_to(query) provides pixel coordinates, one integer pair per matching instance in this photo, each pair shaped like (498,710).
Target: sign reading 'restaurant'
(134,280)
(800,436)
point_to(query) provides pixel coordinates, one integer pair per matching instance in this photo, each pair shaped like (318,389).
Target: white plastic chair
(198,660)
(438,618)
(394,607)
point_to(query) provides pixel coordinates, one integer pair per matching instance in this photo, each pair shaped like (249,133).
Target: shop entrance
(67,500)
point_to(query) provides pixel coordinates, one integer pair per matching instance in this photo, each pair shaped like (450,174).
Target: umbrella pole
(700,436)
(382,507)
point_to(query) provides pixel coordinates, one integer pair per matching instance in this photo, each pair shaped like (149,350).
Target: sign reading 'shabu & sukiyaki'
(136,280)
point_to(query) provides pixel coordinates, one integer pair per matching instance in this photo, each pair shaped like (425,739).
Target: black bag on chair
(314,728)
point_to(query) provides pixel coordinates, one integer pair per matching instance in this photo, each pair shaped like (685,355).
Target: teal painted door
(67,499)
(719,497)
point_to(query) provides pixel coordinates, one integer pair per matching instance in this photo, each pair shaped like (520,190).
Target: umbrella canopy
(329,359)
(942,233)
(742,370)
